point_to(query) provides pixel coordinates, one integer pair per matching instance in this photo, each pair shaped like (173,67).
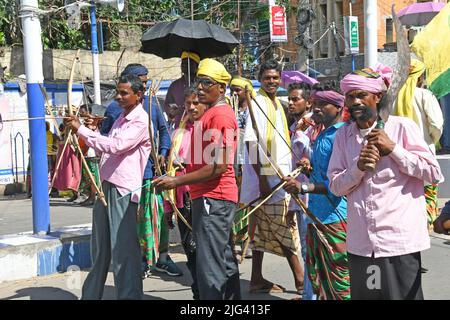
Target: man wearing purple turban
(327,268)
(387,218)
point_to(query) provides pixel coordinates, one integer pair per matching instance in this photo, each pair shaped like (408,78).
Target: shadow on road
(43,293)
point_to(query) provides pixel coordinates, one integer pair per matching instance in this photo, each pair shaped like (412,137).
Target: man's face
(125,96)
(208,90)
(191,69)
(362,105)
(194,109)
(324,113)
(298,105)
(270,81)
(144,80)
(83,112)
(240,92)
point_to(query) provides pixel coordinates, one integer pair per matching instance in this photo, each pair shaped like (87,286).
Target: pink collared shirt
(125,151)
(386,207)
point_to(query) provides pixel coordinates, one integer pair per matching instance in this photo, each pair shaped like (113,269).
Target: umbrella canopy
(170,39)
(419,14)
(288,77)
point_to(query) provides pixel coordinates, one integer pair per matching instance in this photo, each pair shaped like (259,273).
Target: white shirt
(429,114)
(431,120)
(250,181)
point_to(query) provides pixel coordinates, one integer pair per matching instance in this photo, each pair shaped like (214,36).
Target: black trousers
(188,243)
(388,278)
(217,268)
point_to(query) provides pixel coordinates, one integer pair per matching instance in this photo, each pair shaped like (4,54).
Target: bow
(152,92)
(73,137)
(317,223)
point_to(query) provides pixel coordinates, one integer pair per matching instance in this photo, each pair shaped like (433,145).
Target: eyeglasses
(205,82)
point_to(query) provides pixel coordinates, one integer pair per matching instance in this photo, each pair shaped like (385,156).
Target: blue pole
(32,45)
(39,167)
(353,62)
(94,41)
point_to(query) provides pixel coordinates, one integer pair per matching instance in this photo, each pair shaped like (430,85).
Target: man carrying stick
(382,173)
(125,152)
(212,185)
(272,226)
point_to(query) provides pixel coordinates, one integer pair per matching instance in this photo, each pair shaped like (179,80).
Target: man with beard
(387,218)
(327,269)
(272,228)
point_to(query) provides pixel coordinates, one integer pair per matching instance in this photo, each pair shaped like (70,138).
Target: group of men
(357,204)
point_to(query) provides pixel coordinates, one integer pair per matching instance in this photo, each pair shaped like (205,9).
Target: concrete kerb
(25,255)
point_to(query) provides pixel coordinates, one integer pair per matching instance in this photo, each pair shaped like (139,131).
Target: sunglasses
(204,82)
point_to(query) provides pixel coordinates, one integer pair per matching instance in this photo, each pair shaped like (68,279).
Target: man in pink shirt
(387,218)
(124,155)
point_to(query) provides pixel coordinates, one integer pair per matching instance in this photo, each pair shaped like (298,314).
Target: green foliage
(57,35)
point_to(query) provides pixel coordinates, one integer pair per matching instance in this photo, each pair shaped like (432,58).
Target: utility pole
(94,50)
(32,47)
(239,37)
(192,9)
(371,32)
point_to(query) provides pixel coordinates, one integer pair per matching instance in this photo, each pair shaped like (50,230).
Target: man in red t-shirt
(212,183)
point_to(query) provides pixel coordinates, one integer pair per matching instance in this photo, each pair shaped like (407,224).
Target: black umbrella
(170,39)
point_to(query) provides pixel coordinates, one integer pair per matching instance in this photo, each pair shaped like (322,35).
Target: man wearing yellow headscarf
(174,103)
(421,105)
(272,226)
(212,186)
(239,103)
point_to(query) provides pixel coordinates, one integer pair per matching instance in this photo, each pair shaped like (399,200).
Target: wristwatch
(304,188)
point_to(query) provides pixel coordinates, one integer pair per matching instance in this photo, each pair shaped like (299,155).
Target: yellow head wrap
(243,82)
(404,107)
(214,69)
(190,55)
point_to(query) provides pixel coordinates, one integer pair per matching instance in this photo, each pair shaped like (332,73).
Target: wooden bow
(317,223)
(71,135)
(152,92)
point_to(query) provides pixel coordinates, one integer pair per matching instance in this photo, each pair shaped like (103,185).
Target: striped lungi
(327,263)
(150,223)
(431,199)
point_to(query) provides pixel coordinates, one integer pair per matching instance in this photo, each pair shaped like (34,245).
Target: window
(389,30)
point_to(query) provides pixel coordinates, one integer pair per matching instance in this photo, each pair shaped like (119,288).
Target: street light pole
(94,50)
(32,47)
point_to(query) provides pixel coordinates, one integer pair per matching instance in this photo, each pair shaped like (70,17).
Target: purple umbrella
(419,14)
(288,77)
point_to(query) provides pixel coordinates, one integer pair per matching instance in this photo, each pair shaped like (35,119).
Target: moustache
(366,112)
(357,107)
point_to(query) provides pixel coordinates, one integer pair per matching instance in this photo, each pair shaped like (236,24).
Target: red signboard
(278,27)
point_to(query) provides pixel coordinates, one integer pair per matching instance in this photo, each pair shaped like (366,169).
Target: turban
(190,55)
(213,69)
(404,105)
(243,82)
(329,96)
(135,69)
(373,80)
